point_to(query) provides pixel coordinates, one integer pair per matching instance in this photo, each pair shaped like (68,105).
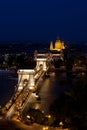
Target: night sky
(43,20)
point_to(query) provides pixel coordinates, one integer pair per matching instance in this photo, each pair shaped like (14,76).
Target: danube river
(8,80)
(49,88)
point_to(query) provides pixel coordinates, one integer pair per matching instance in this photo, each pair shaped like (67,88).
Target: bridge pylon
(41,62)
(26,78)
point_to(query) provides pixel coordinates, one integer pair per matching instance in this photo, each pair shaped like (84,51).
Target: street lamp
(28,116)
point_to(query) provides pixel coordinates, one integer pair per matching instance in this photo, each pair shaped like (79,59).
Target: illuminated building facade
(59,45)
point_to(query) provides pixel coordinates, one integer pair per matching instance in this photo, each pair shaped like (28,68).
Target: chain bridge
(28,80)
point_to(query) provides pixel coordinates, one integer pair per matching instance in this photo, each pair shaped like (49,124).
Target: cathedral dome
(59,45)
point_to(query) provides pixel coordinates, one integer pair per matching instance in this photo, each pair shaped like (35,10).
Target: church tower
(63,46)
(51,45)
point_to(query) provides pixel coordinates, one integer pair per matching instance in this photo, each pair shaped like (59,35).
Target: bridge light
(31,88)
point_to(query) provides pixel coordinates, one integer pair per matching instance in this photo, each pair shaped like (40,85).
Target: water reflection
(50,90)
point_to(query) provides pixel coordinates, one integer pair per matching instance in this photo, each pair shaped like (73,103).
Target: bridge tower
(41,62)
(26,78)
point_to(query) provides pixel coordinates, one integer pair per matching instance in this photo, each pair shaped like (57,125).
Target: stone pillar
(44,66)
(41,61)
(37,65)
(31,82)
(25,78)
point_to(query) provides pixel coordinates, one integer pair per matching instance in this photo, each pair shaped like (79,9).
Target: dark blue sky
(43,20)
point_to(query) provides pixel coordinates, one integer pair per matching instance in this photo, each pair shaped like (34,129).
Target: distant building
(58,46)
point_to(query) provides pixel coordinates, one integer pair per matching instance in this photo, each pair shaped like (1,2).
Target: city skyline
(43,21)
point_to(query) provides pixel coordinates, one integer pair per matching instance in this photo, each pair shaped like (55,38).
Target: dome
(58,45)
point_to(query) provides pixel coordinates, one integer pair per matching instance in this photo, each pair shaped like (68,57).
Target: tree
(70,106)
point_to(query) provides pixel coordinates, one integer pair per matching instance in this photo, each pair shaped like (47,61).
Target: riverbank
(17,125)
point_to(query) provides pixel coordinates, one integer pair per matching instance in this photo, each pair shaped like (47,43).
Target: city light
(30,84)
(49,116)
(45,128)
(28,116)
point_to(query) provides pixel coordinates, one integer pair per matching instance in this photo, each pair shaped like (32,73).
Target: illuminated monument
(59,45)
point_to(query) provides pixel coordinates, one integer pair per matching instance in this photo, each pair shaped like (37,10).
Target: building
(58,46)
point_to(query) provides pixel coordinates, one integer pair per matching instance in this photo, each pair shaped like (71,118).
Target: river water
(49,88)
(8,80)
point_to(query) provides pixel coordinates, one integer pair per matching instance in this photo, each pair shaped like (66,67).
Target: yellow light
(28,116)
(51,45)
(41,59)
(45,128)
(49,116)
(61,123)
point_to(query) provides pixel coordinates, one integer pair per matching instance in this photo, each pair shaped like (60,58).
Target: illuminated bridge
(28,80)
